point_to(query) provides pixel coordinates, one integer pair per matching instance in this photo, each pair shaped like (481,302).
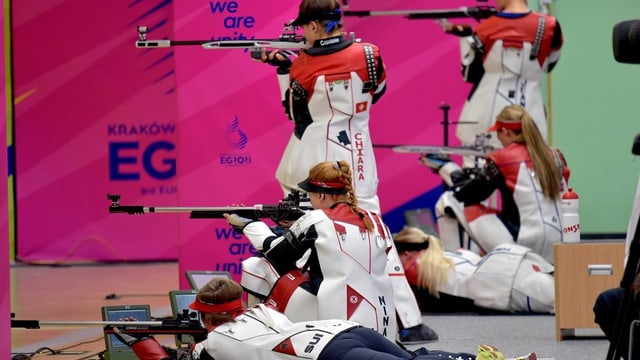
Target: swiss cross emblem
(361,106)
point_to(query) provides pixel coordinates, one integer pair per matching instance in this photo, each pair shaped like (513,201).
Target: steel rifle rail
(476,12)
(287,209)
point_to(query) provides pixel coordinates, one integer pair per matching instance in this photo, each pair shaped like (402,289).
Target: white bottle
(570,217)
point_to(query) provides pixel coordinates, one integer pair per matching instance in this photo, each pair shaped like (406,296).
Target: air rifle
(182,325)
(480,147)
(440,150)
(288,40)
(476,12)
(287,209)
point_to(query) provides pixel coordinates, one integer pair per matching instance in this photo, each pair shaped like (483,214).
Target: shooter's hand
(435,161)
(237,222)
(457,29)
(279,58)
(145,347)
(126,337)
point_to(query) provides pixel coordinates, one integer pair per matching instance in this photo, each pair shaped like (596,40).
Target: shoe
(490,352)
(417,334)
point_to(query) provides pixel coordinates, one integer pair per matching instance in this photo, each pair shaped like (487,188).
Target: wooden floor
(76,293)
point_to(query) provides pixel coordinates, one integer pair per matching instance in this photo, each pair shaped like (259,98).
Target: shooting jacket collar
(339,203)
(510,15)
(328,45)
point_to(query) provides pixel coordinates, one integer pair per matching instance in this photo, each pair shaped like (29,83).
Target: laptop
(116,349)
(180,300)
(198,278)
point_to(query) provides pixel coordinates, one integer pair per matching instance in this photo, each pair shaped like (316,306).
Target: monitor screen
(180,300)
(198,279)
(116,349)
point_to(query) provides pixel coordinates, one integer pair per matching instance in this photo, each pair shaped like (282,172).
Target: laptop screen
(180,300)
(116,349)
(198,279)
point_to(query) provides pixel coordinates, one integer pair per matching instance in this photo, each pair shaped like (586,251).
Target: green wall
(594,104)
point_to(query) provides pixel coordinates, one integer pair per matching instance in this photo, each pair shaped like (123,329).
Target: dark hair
(322,11)
(318,6)
(219,291)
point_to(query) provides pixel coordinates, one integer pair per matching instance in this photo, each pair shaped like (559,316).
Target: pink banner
(94,115)
(231,125)
(233,129)
(184,126)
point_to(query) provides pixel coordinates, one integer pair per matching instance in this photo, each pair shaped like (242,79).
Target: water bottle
(570,217)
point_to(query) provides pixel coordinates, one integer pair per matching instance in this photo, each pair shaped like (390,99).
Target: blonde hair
(340,171)
(433,265)
(544,163)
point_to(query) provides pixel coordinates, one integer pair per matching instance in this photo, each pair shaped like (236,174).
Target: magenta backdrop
(233,129)
(96,115)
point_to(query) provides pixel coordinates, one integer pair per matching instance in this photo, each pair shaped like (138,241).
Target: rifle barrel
(36,323)
(100,323)
(169,43)
(228,209)
(287,209)
(211,209)
(462,12)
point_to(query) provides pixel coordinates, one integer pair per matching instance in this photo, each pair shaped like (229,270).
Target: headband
(230,307)
(327,187)
(499,124)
